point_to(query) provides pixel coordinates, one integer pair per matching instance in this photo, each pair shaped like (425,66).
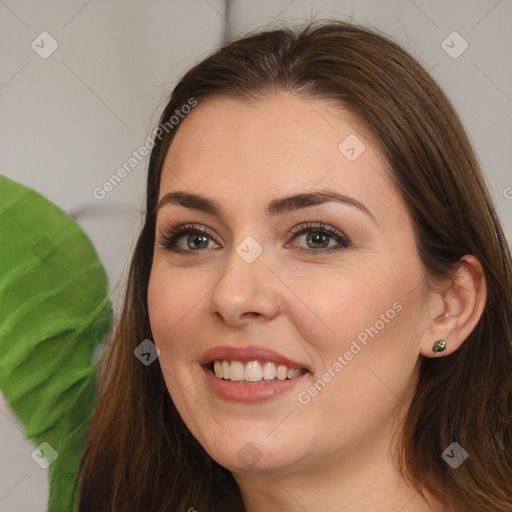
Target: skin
(333,453)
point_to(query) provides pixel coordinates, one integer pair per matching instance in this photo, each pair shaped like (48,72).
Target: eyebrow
(275,207)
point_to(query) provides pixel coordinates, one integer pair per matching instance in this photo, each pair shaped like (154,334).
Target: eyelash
(309,227)
(168,240)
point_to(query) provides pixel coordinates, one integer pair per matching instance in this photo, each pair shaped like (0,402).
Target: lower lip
(250,393)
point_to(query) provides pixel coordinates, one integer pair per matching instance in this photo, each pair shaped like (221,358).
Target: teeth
(293,373)
(254,371)
(217,368)
(269,371)
(282,372)
(225,370)
(236,370)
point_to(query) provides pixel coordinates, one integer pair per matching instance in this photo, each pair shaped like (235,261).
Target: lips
(250,353)
(238,390)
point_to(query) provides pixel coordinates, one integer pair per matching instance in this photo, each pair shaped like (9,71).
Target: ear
(457,306)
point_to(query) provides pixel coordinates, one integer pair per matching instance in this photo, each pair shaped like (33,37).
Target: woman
(326,279)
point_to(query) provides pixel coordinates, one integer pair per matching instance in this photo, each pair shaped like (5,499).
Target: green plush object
(55,312)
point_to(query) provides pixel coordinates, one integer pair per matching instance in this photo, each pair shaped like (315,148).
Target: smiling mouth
(254,372)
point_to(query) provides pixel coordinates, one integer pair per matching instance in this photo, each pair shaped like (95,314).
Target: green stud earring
(438,346)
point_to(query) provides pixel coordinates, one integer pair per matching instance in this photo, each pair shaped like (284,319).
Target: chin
(241,455)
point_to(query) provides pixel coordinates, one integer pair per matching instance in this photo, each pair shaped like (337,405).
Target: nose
(245,291)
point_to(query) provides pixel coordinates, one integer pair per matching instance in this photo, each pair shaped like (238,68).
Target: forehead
(279,144)
(280,124)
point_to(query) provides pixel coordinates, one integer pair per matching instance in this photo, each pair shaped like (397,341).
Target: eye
(187,238)
(319,237)
(191,238)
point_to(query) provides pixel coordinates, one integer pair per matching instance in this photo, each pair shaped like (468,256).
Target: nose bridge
(246,284)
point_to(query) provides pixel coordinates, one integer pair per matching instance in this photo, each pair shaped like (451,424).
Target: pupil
(319,239)
(200,241)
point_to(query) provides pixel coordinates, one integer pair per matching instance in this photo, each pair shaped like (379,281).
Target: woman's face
(300,262)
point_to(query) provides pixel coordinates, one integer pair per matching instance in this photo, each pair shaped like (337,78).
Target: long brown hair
(140,456)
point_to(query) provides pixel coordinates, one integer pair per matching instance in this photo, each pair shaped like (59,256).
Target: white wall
(68,122)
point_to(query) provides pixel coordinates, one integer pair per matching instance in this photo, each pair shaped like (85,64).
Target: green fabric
(55,311)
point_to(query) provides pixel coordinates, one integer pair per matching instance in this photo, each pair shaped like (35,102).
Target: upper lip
(249,353)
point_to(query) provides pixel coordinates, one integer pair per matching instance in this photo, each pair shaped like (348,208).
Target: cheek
(173,303)
(173,300)
(364,364)
(335,308)
(369,319)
